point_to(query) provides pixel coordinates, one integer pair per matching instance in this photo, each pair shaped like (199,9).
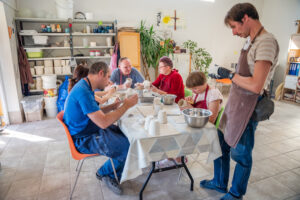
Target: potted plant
(153,48)
(200,58)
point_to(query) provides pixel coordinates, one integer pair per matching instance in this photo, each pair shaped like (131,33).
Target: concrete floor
(36,164)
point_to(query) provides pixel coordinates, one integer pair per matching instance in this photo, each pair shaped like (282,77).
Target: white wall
(204,21)
(9,63)
(279,17)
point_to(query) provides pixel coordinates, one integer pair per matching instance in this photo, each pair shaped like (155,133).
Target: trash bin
(33,107)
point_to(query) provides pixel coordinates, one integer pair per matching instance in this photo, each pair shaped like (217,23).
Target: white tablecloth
(176,139)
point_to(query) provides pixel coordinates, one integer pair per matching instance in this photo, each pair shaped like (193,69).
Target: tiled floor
(36,164)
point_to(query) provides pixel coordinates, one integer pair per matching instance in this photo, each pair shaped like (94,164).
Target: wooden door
(130,47)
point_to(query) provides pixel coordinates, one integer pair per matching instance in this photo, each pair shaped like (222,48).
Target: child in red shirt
(169,80)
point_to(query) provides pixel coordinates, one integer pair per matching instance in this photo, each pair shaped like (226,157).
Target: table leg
(188,173)
(148,178)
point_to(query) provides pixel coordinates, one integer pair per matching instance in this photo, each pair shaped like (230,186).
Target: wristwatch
(231,75)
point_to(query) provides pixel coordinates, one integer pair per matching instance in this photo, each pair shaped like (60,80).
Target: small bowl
(196,117)
(168,99)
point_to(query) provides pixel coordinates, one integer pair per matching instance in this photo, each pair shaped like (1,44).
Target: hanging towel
(24,67)
(114,58)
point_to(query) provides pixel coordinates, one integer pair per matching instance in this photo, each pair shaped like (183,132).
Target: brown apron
(241,104)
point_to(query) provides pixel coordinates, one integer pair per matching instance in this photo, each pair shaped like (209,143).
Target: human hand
(117,103)
(111,91)
(189,100)
(131,101)
(154,89)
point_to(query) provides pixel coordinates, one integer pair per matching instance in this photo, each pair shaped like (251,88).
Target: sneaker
(229,196)
(111,183)
(209,184)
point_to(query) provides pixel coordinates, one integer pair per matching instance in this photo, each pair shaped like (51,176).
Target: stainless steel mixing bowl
(169,99)
(196,117)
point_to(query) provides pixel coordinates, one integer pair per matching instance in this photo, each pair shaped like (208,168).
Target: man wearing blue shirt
(92,128)
(124,71)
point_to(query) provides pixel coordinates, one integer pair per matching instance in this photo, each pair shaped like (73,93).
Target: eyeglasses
(161,66)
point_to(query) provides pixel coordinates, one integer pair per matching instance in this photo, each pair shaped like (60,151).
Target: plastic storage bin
(37,39)
(39,70)
(34,53)
(33,107)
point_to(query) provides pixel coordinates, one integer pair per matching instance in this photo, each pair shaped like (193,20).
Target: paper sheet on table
(165,130)
(179,119)
(148,110)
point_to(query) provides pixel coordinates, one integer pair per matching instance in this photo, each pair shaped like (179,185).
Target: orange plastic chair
(77,155)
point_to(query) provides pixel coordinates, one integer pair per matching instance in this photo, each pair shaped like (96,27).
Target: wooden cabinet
(291,90)
(130,47)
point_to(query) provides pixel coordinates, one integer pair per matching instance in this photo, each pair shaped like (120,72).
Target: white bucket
(64,8)
(50,102)
(50,106)
(49,81)
(51,112)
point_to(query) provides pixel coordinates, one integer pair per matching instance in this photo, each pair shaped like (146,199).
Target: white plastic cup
(154,128)
(162,116)
(147,121)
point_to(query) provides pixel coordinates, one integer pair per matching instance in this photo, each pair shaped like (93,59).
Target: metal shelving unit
(73,37)
(55,49)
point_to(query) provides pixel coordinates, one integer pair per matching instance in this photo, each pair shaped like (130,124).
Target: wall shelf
(52,74)
(63,48)
(68,57)
(67,34)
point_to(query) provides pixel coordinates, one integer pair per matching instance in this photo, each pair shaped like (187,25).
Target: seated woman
(80,72)
(204,96)
(169,81)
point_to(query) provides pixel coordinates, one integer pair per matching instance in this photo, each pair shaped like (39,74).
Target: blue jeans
(110,142)
(242,155)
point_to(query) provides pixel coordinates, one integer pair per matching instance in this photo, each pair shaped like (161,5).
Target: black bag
(263,109)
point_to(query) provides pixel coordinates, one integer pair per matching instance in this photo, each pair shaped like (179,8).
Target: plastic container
(50,106)
(50,92)
(39,83)
(58,70)
(33,107)
(97,53)
(57,63)
(34,53)
(49,81)
(51,112)
(48,70)
(31,63)
(64,9)
(39,63)
(48,63)
(39,70)
(66,70)
(92,53)
(40,39)
(32,70)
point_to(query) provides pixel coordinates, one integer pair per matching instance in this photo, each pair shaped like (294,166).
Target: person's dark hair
(79,73)
(97,67)
(195,79)
(122,59)
(238,11)
(167,61)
